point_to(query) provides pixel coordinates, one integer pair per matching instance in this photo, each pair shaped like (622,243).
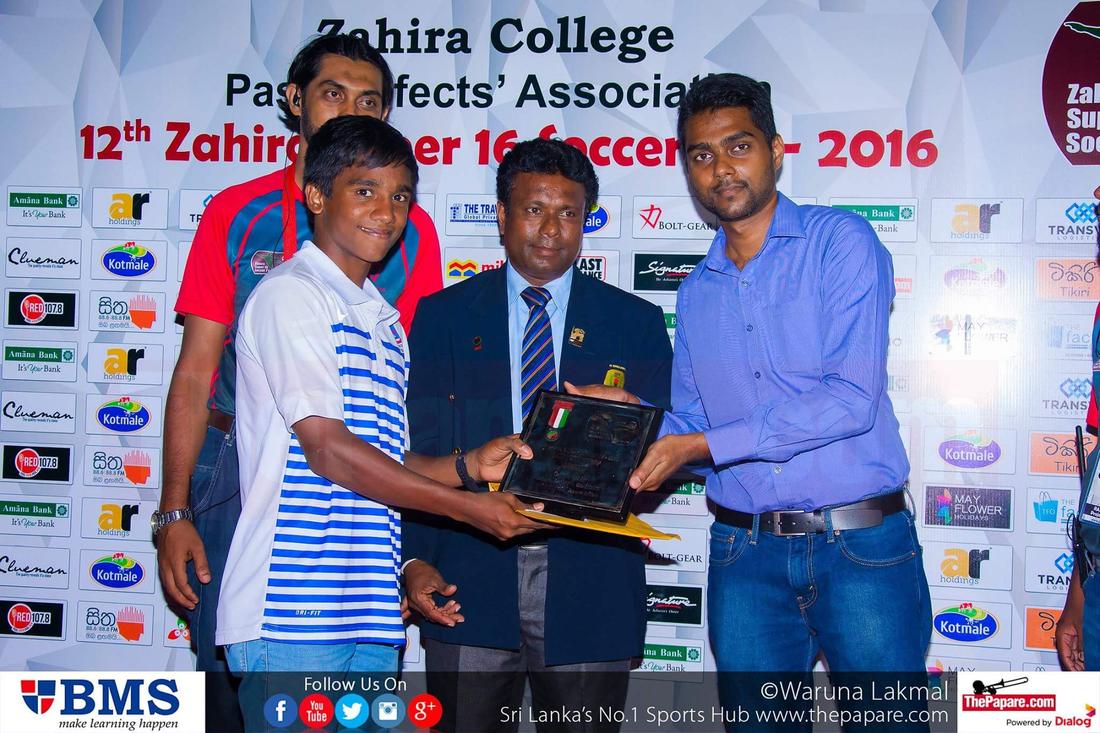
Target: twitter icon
(352,711)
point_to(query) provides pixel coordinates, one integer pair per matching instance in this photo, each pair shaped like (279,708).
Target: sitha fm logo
(127,207)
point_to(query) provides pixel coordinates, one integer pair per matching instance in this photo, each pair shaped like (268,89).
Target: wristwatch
(163,519)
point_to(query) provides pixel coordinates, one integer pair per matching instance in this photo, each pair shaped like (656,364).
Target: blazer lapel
(486,339)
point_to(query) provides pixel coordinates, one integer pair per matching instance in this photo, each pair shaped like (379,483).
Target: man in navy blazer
(569,600)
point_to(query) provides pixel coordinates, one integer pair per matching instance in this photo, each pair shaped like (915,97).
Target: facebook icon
(280,711)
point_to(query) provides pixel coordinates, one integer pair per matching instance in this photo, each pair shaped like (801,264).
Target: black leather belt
(859,515)
(221,420)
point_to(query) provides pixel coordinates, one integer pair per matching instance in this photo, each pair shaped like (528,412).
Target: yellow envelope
(632,527)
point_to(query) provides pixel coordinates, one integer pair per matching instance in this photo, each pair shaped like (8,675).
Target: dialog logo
(129,260)
(117,571)
(124,415)
(970,450)
(965,623)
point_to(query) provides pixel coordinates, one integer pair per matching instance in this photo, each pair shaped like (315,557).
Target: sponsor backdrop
(966,133)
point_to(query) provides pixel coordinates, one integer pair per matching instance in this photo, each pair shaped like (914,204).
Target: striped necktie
(537,358)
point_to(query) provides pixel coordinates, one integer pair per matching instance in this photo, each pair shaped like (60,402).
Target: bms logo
(101,697)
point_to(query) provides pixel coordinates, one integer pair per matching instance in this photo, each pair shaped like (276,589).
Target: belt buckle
(777,524)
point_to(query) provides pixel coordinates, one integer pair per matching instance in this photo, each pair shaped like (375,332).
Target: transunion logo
(598,218)
(966,623)
(117,571)
(129,260)
(969,451)
(123,415)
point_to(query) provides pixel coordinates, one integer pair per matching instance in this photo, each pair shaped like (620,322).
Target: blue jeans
(260,657)
(1090,622)
(858,596)
(216,501)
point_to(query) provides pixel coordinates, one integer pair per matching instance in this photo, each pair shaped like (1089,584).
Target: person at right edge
(1077,635)
(779,399)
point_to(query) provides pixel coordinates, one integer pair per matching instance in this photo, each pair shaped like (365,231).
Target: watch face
(154,520)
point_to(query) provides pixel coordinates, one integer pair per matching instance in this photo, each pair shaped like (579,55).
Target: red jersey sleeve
(426,276)
(208,286)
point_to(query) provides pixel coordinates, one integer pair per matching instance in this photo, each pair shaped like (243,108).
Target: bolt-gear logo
(1071,85)
(38,694)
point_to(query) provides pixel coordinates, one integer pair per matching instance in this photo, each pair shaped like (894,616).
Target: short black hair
(728,90)
(547,156)
(307,65)
(351,140)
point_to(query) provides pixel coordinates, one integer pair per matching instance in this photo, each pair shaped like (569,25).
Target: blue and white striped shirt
(312,562)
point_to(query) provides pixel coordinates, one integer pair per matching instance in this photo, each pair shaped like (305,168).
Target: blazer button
(456,451)
(451,397)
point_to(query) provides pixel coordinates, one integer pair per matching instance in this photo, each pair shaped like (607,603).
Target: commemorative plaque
(585,450)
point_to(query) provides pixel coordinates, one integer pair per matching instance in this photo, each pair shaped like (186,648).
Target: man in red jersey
(245,231)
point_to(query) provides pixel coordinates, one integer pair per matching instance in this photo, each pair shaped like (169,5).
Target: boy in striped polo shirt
(311,582)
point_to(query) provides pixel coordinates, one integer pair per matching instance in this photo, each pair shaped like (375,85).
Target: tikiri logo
(1055,454)
(1067,279)
(1039,627)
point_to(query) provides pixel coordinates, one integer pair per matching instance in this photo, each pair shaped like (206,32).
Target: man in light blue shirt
(779,397)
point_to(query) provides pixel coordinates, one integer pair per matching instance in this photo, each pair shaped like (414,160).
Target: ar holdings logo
(1071,85)
(129,260)
(124,415)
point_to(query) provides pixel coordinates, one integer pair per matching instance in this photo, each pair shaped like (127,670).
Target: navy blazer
(460,396)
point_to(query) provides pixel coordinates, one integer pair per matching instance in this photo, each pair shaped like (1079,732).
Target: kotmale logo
(597,219)
(965,623)
(975,277)
(129,260)
(969,450)
(124,415)
(117,571)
